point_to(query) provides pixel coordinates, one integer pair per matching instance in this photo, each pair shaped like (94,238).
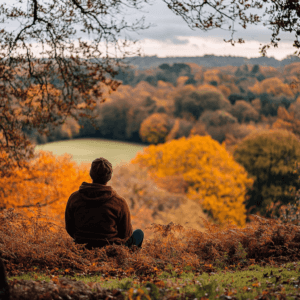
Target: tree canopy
(48,72)
(270,157)
(210,175)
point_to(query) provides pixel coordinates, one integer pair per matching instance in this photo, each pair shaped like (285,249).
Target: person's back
(96,215)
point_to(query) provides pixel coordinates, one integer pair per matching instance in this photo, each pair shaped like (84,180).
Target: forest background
(187,97)
(167,103)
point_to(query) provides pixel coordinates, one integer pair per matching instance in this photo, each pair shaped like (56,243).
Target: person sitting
(97,216)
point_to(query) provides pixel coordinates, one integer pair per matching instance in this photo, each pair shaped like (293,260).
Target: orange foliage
(292,69)
(212,75)
(270,71)
(207,87)
(287,121)
(273,86)
(155,128)
(225,90)
(35,96)
(256,103)
(214,179)
(49,181)
(181,80)
(295,108)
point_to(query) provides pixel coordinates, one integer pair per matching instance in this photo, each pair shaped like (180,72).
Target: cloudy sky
(171,36)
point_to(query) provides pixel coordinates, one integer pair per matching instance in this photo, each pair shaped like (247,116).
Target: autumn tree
(155,128)
(197,101)
(135,117)
(68,130)
(218,123)
(213,178)
(180,128)
(269,157)
(295,108)
(273,92)
(287,121)
(217,118)
(48,183)
(273,86)
(244,112)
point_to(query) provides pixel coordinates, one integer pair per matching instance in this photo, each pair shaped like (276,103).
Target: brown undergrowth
(263,241)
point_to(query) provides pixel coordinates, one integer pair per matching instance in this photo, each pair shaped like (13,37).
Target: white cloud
(198,46)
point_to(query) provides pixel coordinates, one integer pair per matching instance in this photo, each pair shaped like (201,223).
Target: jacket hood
(95,191)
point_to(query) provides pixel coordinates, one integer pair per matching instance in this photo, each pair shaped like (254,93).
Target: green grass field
(254,282)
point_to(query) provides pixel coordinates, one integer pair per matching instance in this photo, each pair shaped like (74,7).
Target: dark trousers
(136,238)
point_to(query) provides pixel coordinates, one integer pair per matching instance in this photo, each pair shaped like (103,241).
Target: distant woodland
(186,113)
(171,101)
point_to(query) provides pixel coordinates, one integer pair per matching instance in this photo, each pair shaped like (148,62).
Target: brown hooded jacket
(98,216)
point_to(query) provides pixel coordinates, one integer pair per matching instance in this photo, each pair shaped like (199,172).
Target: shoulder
(119,198)
(73,197)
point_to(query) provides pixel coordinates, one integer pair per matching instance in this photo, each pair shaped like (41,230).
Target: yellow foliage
(214,179)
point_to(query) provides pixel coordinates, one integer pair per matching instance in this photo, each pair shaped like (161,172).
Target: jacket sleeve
(69,218)
(124,223)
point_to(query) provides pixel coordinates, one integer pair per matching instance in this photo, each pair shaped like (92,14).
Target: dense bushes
(269,157)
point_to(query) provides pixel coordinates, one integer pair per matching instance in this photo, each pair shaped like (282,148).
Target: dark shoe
(130,242)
